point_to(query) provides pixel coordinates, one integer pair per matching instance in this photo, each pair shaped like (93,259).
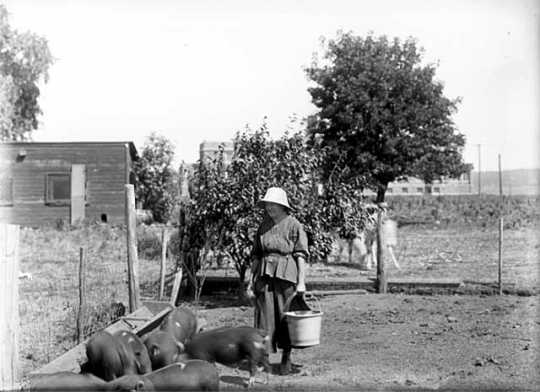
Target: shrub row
(483,211)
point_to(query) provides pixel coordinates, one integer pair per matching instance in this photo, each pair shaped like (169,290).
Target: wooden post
(163,267)
(500,253)
(9,306)
(131,227)
(176,286)
(82,296)
(501,227)
(381,273)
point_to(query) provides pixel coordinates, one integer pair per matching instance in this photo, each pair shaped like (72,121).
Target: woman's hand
(301,287)
(249,290)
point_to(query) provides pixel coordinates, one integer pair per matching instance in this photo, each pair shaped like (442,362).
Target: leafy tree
(154,177)
(382,115)
(224,197)
(24,59)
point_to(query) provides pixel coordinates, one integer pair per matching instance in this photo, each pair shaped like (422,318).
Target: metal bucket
(304,325)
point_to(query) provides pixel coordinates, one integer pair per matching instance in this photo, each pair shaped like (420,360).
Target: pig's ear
(140,385)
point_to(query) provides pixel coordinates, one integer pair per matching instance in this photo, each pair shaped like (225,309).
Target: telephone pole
(479,171)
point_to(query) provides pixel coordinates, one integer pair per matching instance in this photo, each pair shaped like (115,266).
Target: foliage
(154,177)
(382,115)
(466,210)
(224,198)
(24,59)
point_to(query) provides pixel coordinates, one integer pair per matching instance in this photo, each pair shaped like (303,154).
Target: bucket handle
(309,295)
(305,295)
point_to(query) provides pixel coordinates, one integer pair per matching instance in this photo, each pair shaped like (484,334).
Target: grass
(48,303)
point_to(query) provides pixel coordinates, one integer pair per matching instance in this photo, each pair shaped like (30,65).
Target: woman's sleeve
(256,251)
(301,243)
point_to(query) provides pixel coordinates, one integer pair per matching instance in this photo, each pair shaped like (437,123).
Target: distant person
(280,251)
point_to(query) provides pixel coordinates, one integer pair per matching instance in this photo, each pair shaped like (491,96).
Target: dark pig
(66,381)
(135,347)
(182,323)
(193,375)
(109,358)
(163,349)
(230,346)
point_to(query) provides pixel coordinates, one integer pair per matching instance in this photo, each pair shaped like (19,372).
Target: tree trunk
(381,190)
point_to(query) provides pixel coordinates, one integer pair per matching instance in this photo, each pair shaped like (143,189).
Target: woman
(279,253)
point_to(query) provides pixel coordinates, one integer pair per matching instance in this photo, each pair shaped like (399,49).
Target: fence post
(163,267)
(501,226)
(381,273)
(176,286)
(131,227)
(82,296)
(9,306)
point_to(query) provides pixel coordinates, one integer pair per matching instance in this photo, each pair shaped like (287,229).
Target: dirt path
(399,341)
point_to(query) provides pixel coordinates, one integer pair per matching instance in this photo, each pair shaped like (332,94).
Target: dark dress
(277,245)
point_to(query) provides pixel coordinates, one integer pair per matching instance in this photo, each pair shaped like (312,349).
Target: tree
(382,116)
(224,198)
(154,177)
(24,60)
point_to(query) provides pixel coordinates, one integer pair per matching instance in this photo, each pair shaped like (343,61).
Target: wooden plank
(154,322)
(426,282)
(78,191)
(9,306)
(82,296)
(176,287)
(132,258)
(71,360)
(163,265)
(338,292)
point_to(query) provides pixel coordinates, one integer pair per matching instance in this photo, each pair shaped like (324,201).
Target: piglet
(181,323)
(230,346)
(193,375)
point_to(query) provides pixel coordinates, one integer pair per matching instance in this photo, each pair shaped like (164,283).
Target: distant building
(211,149)
(42,183)
(414,186)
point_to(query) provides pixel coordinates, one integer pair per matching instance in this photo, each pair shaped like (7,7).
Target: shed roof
(132,149)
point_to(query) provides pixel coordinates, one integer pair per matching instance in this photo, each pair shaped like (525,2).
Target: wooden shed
(43,183)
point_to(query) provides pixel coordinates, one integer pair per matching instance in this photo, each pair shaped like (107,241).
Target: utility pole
(479,171)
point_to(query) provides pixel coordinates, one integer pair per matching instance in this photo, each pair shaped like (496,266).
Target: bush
(483,211)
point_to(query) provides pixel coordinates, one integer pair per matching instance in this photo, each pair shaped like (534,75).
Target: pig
(181,323)
(230,346)
(135,347)
(195,375)
(109,357)
(163,349)
(67,381)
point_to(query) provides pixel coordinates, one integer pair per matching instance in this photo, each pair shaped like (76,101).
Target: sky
(197,70)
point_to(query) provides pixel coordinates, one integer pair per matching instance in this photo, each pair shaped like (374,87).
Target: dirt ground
(408,342)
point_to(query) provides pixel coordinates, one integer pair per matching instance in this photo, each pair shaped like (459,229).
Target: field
(368,340)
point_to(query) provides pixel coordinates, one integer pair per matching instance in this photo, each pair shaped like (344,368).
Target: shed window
(58,188)
(420,190)
(6,191)
(437,189)
(405,190)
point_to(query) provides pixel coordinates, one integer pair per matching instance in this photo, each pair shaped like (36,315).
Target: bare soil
(408,342)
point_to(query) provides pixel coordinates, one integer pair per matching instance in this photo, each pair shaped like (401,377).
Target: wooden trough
(142,321)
